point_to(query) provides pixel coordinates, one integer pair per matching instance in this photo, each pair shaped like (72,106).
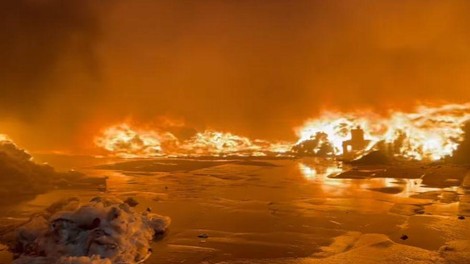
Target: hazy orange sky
(257,68)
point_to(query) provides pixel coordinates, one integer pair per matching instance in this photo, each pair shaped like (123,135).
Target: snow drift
(104,230)
(20,175)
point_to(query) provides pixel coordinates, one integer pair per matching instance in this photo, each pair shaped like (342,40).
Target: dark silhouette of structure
(462,154)
(356,144)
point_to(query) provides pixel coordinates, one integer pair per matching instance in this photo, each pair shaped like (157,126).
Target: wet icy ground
(283,211)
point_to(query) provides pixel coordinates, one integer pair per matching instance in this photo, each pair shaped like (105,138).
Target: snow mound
(102,231)
(20,175)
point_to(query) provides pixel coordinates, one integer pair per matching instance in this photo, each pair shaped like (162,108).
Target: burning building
(356,144)
(428,133)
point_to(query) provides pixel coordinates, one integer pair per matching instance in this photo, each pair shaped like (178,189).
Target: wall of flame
(428,133)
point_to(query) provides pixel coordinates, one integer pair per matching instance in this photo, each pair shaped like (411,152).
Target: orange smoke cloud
(254,70)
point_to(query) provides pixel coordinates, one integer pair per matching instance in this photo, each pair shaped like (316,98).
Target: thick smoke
(36,35)
(256,70)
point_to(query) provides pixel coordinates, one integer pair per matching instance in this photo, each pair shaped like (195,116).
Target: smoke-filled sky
(256,68)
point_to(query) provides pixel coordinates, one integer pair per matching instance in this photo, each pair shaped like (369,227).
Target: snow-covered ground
(283,211)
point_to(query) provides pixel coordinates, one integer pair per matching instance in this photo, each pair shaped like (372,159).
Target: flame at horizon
(124,140)
(428,133)
(127,142)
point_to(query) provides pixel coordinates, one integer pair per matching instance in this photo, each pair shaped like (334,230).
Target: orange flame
(219,143)
(125,141)
(429,133)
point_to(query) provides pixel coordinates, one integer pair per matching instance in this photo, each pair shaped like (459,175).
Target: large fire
(125,141)
(428,133)
(213,142)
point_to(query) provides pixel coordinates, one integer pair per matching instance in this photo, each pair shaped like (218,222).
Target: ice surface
(354,247)
(284,213)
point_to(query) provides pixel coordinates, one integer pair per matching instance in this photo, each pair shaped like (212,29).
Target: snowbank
(20,175)
(102,231)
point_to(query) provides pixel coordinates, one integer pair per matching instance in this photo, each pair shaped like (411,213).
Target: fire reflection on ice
(307,172)
(321,171)
(315,173)
(324,172)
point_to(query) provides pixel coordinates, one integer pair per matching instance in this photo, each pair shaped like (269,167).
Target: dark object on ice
(461,217)
(404,237)
(462,153)
(389,190)
(203,236)
(131,202)
(372,158)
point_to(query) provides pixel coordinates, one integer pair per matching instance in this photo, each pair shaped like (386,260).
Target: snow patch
(104,230)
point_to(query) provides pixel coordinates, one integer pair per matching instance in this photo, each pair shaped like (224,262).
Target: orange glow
(213,142)
(129,142)
(4,138)
(429,133)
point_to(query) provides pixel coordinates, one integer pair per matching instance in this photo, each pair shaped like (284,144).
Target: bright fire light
(429,133)
(128,142)
(4,138)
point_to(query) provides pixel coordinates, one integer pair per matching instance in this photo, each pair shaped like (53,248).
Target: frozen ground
(288,211)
